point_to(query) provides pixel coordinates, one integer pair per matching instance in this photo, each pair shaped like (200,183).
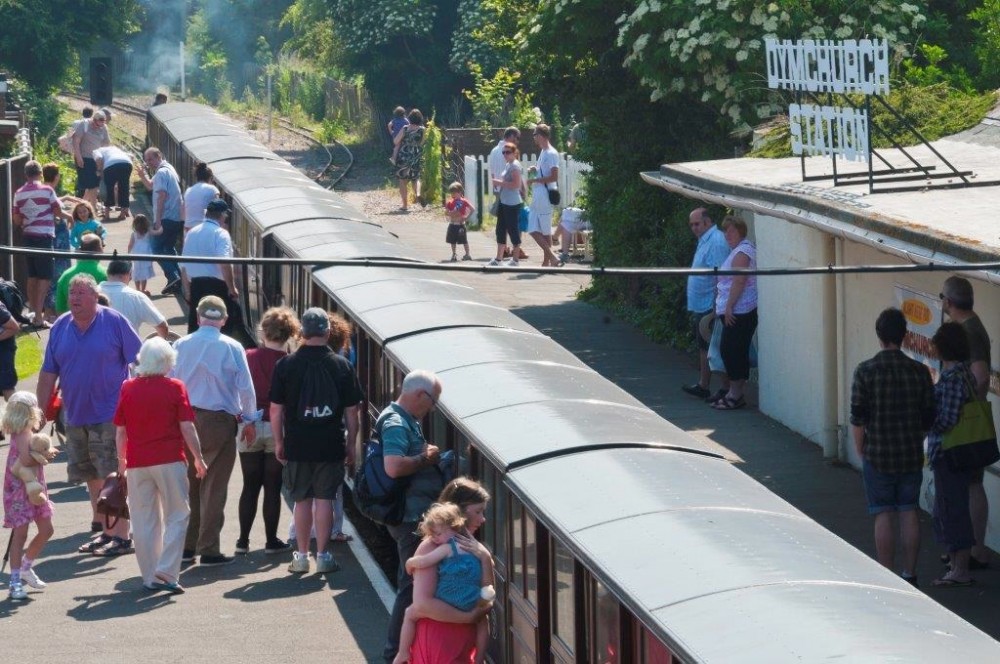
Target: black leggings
(507,224)
(735,345)
(260,469)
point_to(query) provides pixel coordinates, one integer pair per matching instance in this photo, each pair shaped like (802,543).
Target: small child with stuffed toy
(25,498)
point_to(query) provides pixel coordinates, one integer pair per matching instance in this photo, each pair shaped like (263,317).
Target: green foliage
(987,43)
(934,71)
(28,360)
(432,170)
(714,49)
(332,129)
(497,101)
(488,33)
(313,34)
(556,124)
(39,41)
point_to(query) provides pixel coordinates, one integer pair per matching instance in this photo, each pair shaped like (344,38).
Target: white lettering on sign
(828,130)
(858,66)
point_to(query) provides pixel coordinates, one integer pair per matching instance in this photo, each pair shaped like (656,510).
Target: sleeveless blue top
(459,576)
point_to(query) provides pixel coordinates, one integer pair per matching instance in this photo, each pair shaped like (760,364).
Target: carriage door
(528,613)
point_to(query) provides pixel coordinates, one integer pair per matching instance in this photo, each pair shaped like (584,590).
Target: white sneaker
(325,563)
(299,564)
(29,577)
(493,262)
(512,262)
(17,591)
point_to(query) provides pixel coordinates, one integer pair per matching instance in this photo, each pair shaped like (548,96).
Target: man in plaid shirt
(892,408)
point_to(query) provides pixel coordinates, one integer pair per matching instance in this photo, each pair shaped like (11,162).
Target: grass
(28,360)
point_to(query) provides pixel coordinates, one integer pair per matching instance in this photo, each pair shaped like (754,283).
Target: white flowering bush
(714,49)
(365,25)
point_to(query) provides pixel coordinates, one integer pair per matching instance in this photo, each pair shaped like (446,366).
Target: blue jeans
(165,244)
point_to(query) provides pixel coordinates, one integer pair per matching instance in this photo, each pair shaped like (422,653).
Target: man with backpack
(408,455)
(214,369)
(314,394)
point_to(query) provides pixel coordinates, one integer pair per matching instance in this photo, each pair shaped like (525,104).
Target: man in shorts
(8,349)
(957,301)
(88,136)
(308,416)
(545,176)
(89,352)
(892,409)
(215,371)
(35,207)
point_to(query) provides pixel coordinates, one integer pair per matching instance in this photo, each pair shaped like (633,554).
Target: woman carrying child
(445,633)
(20,418)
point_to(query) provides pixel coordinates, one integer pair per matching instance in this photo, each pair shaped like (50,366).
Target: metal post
(868,129)
(269,114)
(183,90)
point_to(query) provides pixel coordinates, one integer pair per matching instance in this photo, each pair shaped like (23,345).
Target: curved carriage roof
(275,196)
(211,151)
(682,539)
(184,129)
(165,113)
(269,215)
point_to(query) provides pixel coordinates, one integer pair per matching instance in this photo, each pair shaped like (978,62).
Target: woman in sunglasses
(510,185)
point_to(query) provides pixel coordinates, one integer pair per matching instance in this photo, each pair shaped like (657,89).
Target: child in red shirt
(458,210)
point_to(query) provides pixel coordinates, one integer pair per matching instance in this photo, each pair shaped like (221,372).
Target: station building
(815,329)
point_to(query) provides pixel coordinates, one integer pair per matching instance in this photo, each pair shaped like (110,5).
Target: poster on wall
(923,318)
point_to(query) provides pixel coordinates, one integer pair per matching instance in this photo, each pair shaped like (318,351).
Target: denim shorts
(890,492)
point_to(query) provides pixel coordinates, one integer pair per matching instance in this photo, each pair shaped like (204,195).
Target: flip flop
(169,587)
(945,582)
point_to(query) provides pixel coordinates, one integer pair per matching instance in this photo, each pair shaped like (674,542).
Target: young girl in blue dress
(460,583)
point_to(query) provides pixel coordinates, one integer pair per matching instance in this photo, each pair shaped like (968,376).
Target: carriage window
(607,626)
(489,478)
(531,556)
(517,546)
(563,596)
(651,650)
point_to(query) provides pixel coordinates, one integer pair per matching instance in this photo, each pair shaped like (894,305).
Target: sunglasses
(507,151)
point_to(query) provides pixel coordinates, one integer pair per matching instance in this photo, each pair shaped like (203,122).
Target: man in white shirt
(215,371)
(541,179)
(210,239)
(129,302)
(496,162)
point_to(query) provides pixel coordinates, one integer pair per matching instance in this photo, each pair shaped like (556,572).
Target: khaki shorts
(263,443)
(313,479)
(91,451)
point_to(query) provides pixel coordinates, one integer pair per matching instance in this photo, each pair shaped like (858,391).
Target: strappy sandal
(116,547)
(95,544)
(727,403)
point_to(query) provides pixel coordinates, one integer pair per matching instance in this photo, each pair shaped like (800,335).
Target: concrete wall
(805,366)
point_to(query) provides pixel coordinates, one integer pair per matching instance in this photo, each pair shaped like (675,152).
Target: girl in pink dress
(20,417)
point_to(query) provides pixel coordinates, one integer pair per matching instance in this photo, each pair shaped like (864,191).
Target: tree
(39,41)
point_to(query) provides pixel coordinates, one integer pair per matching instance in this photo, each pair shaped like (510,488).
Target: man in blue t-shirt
(407,454)
(711,251)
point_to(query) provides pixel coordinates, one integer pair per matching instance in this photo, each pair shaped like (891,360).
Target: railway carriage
(617,536)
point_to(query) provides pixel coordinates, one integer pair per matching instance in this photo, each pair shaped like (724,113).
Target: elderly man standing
(957,301)
(167,213)
(314,393)
(892,409)
(129,302)
(215,371)
(407,454)
(711,251)
(210,239)
(89,352)
(35,206)
(88,136)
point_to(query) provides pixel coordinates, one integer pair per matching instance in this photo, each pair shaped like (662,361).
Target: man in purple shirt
(89,351)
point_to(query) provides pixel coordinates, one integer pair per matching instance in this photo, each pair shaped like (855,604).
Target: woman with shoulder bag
(952,522)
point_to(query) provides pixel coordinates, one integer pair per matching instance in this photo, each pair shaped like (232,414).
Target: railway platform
(96,610)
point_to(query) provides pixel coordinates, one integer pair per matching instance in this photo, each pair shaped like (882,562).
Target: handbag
(495,207)
(972,443)
(554,196)
(522,220)
(112,501)
(54,407)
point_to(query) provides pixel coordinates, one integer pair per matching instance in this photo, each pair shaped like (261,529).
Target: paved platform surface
(95,609)
(783,461)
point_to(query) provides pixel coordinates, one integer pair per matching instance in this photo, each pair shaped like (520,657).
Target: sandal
(341,537)
(728,403)
(719,395)
(116,547)
(95,544)
(947,582)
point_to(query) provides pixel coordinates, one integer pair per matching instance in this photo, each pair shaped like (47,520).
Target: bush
(432,171)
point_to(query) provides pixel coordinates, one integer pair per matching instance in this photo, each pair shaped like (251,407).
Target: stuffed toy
(42,452)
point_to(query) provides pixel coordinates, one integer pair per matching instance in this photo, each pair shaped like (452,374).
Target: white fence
(479,190)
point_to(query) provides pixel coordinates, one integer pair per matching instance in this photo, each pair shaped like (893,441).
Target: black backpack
(318,395)
(13,299)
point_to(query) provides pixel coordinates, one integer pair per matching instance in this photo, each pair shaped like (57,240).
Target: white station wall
(796,333)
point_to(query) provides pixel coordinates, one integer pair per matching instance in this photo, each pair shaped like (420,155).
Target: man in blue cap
(211,239)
